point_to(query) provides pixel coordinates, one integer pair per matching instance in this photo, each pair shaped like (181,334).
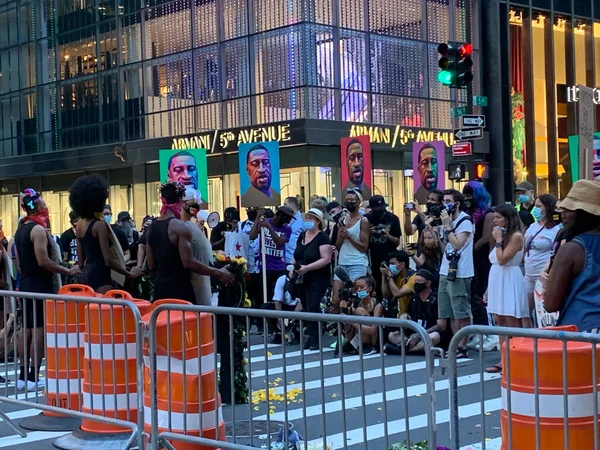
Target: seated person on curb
(284,299)
(361,304)
(397,282)
(423,310)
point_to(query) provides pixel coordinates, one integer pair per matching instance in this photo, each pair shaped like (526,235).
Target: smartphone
(409,206)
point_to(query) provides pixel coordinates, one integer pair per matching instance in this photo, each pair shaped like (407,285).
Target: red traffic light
(465,50)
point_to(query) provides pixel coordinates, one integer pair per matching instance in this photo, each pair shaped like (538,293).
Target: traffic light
(482,170)
(456,64)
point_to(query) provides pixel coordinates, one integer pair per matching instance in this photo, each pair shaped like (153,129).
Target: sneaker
(2,379)
(26,385)
(368,349)
(348,349)
(473,341)
(490,343)
(392,349)
(41,383)
(315,346)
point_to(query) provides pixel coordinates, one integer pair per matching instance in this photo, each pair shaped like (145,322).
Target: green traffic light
(445,77)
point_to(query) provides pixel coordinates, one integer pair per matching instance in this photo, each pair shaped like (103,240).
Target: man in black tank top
(169,250)
(33,254)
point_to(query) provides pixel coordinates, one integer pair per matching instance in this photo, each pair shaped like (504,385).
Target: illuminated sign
(225,140)
(573,95)
(395,136)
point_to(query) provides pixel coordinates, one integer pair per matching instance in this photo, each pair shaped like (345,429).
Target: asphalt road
(360,411)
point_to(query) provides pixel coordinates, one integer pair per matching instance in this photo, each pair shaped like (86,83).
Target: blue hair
(481,199)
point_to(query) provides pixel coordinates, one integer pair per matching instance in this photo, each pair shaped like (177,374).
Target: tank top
(34,278)
(95,271)
(582,307)
(171,279)
(349,254)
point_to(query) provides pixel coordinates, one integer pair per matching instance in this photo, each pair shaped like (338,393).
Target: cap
(584,195)
(72,216)
(332,205)
(524,186)
(317,213)
(123,215)
(286,210)
(377,201)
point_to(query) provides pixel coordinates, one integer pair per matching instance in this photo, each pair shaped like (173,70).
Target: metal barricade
(47,333)
(548,397)
(289,392)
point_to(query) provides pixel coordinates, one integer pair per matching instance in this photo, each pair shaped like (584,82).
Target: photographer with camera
(360,302)
(430,217)
(422,309)
(456,272)
(397,282)
(385,235)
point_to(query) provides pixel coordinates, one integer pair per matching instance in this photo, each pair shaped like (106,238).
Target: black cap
(286,210)
(332,205)
(377,201)
(72,216)
(122,216)
(524,186)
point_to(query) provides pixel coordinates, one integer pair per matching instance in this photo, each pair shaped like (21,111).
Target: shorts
(454,298)
(530,281)
(354,272)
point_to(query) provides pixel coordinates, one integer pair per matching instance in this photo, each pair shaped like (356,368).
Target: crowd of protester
(471,263)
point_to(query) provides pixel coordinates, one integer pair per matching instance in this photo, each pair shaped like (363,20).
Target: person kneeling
(361,304)
(422,309)
(283,300)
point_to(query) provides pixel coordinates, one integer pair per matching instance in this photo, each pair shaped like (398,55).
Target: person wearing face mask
(431,216)
(456,271)
(365,305)
(120,235)
(352,242)
(313,254)
(525,203)
(126,225)
(423,310)
(384,236)
(539,239)
(397,283)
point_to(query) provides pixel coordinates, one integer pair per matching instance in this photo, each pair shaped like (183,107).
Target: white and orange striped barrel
(184,340)
(65,324)
(580,393)
(109,378)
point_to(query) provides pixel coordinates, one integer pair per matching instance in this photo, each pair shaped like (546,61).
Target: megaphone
(213,219)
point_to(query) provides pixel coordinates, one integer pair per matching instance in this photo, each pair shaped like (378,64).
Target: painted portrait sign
(259,174)
(356,167)
(186,166)
(428,168)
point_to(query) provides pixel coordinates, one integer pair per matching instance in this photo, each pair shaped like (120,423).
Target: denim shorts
(354,272)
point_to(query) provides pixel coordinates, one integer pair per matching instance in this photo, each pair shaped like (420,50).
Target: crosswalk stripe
(355,436)
(351,377)
(21,414)
(279,356)
(261,347)
(372,399)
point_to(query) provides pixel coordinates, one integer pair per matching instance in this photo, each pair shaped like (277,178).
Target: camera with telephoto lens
(453,259)
(377,231)
(348,297)
(434,210)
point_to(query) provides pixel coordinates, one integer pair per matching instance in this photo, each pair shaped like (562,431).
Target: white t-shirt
(281,295)
(538,247)
(465,263)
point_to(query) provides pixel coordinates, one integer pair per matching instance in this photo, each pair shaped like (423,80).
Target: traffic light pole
(469,38)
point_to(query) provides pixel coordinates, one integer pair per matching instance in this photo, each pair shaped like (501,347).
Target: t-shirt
(309,253)
(525,215)
(68,244)
(538,247)
(419,224)
(280,294)
(465,263)
(409,283)
(379,245)
(246,227)
(217,234)
(274,254)
(425,313)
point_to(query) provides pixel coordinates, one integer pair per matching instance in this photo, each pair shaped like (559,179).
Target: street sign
(467,134)
(462,149)
(458,111)
(479,100)
(471,120)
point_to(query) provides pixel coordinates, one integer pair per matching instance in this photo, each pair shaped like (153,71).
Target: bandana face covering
(40,217)
(174,207)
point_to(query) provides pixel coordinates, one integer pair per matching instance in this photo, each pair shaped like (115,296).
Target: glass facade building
(101,85)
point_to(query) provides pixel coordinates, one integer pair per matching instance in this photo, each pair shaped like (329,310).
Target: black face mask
(420,287)
(252,215)
(351,207)
(468,204)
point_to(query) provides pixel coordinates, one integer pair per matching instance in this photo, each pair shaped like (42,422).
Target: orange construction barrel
(580,394)
(109,381)
(186,341)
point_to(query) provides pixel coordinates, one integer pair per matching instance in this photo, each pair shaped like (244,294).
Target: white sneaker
(26,385)
(41,383)
(473,341)
(490,343)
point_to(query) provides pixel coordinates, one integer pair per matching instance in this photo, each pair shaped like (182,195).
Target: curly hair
(88,195)
(172,192)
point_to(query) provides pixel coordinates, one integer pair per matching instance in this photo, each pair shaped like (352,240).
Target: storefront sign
(573,94)
(229,140)
(399,136)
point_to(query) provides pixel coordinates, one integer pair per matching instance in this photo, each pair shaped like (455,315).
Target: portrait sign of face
(355,155)
(188,167)
(596,160)
(428,166)
(259,174)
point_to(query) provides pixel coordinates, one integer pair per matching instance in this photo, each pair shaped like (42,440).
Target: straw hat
(318,214)
(584,195)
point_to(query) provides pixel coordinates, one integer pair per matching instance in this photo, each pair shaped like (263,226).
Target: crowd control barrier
(549,388)
(86,380)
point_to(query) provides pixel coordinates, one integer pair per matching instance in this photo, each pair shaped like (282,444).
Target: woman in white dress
(201,246)
(506,294)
